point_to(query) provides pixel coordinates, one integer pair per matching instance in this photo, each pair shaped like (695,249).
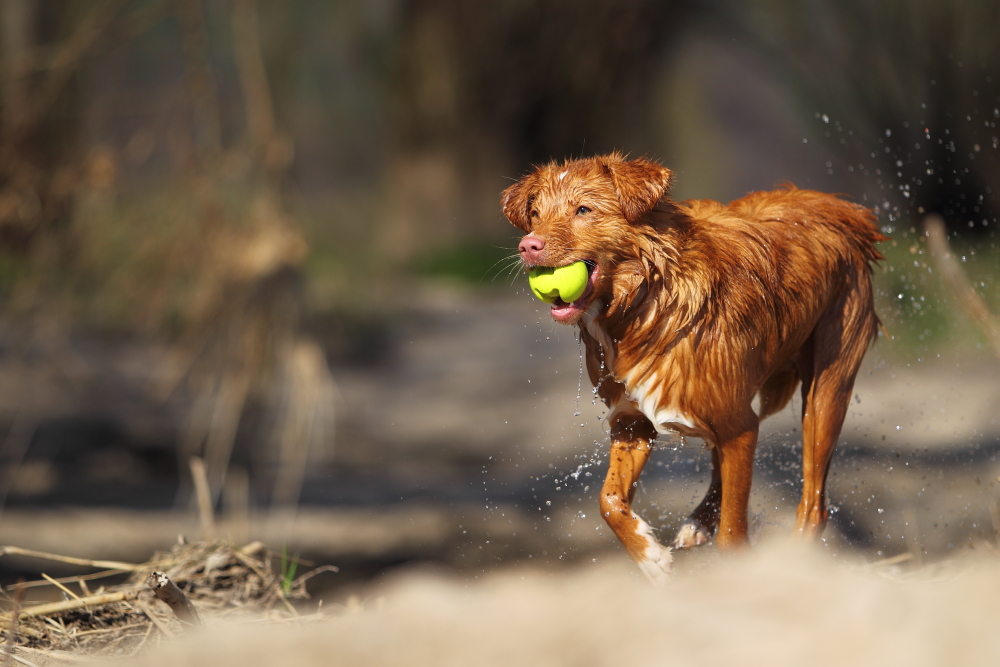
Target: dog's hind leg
(631,442)
(698,528)
(829,362)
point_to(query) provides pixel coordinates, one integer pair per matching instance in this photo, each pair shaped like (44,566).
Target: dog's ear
(516,202)
(639,184)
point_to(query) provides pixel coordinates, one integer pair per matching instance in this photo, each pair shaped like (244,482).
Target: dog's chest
(648,389)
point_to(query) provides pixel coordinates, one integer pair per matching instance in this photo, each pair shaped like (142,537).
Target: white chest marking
(644,394)
(648,398)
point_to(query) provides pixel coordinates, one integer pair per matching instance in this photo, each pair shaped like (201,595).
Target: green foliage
(288,567)
(473,262)
(920,314)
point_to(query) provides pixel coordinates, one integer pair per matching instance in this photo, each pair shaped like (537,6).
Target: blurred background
(267,234)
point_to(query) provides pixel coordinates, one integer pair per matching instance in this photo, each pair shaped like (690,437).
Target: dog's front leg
(631,442)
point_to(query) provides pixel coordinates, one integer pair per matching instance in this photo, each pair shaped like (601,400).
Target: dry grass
(222,582)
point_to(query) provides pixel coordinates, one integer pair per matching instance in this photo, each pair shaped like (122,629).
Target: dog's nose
(531,248)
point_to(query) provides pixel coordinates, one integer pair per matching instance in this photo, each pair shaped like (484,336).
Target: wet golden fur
(695,308)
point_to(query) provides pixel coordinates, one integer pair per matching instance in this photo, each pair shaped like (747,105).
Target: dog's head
(587,210)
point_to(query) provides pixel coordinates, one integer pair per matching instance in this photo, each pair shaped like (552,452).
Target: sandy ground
(778,605)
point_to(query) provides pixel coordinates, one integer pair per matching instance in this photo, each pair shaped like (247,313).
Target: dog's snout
(531,248)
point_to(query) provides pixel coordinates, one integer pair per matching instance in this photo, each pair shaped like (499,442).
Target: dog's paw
(691,534)
(656,563)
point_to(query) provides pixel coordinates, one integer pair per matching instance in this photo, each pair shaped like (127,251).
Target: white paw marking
(655,560)
(691,534)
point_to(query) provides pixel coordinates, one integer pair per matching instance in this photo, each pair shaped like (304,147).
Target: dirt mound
(777,605)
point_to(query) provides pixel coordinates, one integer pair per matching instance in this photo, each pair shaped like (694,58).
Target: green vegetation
(473,262)
(919,313)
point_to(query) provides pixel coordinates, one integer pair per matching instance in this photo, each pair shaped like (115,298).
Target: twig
(59,586)
(72,51)
(168,592)
(117,628)
(954,278)
(160,625)
(204,495)
(80,579)
(108,564)
(49,654)
(253,75)
(309,575)
(230,400)
(254,547)
(58,627)
(9,654)
(12,628)
(912,537)
(901,558)
(995,516)
(145,638)
(68,605)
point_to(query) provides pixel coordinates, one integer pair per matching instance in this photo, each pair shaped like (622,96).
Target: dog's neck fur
(657,296)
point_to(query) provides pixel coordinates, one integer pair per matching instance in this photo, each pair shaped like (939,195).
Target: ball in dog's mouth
(569,313)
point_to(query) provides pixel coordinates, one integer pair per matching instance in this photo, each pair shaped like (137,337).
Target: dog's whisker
(502,262)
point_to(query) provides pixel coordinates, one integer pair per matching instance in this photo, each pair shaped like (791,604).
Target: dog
(694,308)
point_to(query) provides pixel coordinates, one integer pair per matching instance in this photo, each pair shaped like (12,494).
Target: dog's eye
(534,214)
(583,210)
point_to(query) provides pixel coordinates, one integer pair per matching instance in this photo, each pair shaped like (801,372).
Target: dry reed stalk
(12,628)
(78,603)
(10,655)
(995,517)
(60,586)
(107,564)
(956,281)
(894,560)
(912,537)
(204,494)
(154,619)
(80,579)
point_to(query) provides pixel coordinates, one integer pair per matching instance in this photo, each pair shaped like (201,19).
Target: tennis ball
(563,282)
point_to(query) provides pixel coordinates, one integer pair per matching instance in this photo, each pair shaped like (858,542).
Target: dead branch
(201,82)
(312,573)
(10,655)
(204,496)
(12,627)
(80,579)
(174,597)
(107,564)
(253,76)
(954,278)
(78,603)
(154,619)
(72,51)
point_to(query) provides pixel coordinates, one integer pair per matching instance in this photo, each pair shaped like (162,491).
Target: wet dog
(694,308)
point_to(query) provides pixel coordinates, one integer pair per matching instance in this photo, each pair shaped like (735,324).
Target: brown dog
(691,310)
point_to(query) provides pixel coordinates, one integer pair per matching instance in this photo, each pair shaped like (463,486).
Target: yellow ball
(562,282)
